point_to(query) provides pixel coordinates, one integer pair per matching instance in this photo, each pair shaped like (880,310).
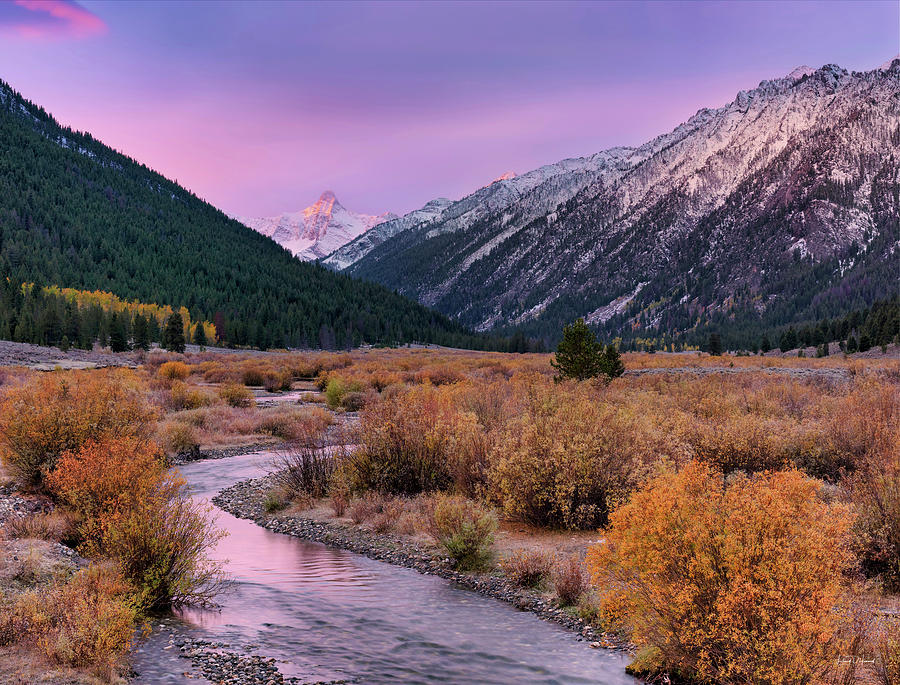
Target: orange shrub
(174,371)
(569,579)
(365,508)
(275,382)
(52,413)
(887,647)
(739,443)
(254,376)
(103,478)
(176,437)
(88,621)
(55,526)
(418,441)
(182,396)
(134,510)
(875,493)
(290,422)
(726,584)
(464,530)
(569,457)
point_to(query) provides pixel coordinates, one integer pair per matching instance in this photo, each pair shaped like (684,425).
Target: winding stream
(326,614)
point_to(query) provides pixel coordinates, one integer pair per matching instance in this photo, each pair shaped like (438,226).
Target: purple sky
(259,107)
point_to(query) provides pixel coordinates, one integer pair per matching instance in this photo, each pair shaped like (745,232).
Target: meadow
(734,519)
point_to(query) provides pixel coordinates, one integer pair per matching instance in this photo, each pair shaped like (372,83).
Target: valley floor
(212,406)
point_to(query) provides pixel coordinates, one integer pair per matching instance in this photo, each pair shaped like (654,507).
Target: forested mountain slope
(782,206)
(75,213)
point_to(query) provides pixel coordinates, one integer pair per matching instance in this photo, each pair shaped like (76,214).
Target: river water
(327,614)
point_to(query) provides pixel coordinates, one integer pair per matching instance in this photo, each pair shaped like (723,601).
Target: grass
(493,432)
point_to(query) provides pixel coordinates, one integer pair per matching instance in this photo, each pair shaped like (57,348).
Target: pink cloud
(40,19)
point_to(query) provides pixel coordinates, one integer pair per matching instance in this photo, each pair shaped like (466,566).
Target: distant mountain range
(75,213)
(318,230)
(781,206)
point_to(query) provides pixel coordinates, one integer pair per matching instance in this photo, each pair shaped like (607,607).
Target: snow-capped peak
(505,177)
(800,72)
(317,230)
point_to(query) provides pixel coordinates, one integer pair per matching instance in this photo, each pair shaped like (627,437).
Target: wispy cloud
(48,19)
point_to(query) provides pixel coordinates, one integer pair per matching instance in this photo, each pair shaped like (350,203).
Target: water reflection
(330,614)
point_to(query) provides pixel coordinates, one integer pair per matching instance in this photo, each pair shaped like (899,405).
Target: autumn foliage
(50,414)
(726,581)
(132,509)
(86,621)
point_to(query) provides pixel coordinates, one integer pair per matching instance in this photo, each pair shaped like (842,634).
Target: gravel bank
(223,664)
(218,662)
(12,505)
(825,372)
(245,500)
(238,450)
(49,358)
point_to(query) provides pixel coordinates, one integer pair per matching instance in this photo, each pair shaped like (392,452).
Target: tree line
(43,317)
(76,213)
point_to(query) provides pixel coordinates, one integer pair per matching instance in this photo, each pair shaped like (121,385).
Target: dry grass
(528,568)
(54,526)
(494,429)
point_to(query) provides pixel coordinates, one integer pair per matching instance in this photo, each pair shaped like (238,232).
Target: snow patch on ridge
(617,306)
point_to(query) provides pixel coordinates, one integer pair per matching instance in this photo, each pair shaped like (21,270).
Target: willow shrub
(132,509)
(418,440)
(726,583)
(53,413)
(174,371)
(569,457)
(88,621)
(464,530)
(875,493)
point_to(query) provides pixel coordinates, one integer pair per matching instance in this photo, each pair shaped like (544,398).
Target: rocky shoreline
(199,454)
(245,500)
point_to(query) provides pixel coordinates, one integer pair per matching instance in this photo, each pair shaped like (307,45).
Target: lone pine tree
(173,335)
(580,355)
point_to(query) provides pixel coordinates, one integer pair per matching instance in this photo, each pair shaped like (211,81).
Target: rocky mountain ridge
(779,206)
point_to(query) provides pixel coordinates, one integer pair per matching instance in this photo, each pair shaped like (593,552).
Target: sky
(258,107)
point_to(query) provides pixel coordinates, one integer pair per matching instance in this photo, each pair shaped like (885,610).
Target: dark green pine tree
(140,332)
(173,335)
(788,340)
(103,334)
(24,328)
(72,323)
(117,336)
(612,362)
(200,335)
(715,344)
(51,325)
(865,343)
(765,345)
(579,354)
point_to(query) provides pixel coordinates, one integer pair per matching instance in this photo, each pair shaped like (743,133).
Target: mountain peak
(505,177)
(317,230)
(800,72)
